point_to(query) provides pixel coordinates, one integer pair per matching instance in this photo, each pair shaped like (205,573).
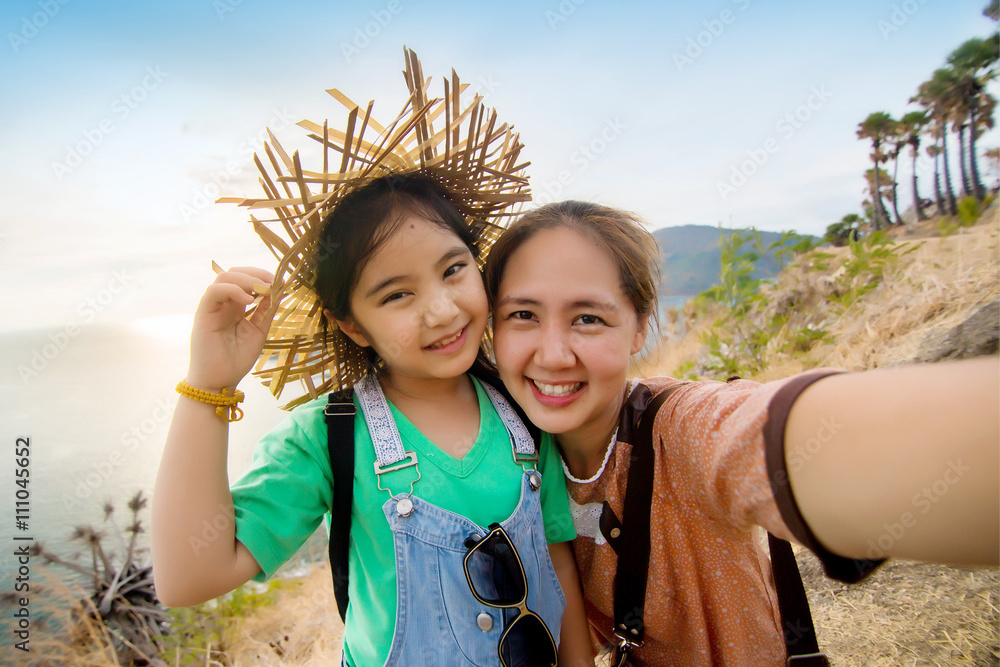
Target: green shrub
(839,233)
(947,225)
(803,340)
(871,258)
(738,340)
(968,211)
(201,635)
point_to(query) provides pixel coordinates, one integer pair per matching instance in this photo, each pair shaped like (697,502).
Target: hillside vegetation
(691,254)
(916,295)
(886,300)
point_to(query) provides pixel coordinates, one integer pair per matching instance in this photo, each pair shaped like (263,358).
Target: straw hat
(464,147)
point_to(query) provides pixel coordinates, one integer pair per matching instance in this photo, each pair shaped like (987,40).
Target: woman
(835,461)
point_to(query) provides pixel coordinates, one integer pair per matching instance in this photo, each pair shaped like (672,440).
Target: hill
(690,261)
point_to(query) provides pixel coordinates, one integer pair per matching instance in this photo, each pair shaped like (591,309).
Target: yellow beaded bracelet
(227,404)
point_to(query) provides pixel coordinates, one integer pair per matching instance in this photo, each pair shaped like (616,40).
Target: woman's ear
(642,330)
(348,327)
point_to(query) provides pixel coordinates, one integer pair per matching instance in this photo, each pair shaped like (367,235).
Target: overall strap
(634,541)
(385,436)
(796,619)
(340,413)
(522,442)
(488,379)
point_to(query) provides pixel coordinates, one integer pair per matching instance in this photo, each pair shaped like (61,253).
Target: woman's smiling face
(564,331)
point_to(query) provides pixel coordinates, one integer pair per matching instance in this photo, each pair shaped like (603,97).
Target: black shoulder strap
(340,413)
(796,619)
(633,553)
(633,560)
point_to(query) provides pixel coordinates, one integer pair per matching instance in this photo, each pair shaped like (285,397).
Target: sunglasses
(500,583)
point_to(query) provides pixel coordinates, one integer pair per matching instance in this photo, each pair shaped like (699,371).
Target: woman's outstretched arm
(901,462)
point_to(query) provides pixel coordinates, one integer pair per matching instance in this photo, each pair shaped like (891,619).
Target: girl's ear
(640,334)
(348,327)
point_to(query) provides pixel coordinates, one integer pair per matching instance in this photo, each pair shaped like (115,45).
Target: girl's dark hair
(360,223)
(622,234)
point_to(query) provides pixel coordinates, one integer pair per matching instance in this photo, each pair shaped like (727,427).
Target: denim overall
(438,621)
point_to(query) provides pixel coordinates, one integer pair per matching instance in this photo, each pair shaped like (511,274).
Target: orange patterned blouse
(710,599)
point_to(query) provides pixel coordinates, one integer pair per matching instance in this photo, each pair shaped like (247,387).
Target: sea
(673,301)
(92,405)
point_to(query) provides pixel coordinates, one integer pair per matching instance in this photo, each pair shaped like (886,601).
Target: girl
(439,455)
(413,296)
(831,460)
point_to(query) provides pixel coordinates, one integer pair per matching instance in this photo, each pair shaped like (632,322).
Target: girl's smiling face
(420,303)
(564,333)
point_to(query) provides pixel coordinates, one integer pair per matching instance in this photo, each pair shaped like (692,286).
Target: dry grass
(301,628)
(906,613)
(56,606)
(944,281)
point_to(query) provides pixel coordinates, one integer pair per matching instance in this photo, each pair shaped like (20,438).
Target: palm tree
(879,189)
(897,141)
(934,152)
(958,126)
(910,126)
(993,10)
(937,95)
(878,127)
(974,64)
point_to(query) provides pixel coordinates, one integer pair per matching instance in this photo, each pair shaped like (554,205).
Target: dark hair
(359,224)
(622,234)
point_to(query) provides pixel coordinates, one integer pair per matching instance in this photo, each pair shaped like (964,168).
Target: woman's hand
(225,343)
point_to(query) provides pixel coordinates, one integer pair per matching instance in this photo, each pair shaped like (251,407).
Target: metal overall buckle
(404,506)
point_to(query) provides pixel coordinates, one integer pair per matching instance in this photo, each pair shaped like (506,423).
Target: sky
(126,120)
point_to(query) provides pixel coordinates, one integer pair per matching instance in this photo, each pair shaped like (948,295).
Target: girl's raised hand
(225,343)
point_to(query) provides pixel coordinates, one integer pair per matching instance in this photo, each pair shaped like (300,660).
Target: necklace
(604,464)
(629,386)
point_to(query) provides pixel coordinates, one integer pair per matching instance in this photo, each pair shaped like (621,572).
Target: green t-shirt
(288,489)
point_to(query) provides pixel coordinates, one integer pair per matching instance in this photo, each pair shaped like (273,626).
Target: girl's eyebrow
(456,251)
(449,255)
(382,284)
